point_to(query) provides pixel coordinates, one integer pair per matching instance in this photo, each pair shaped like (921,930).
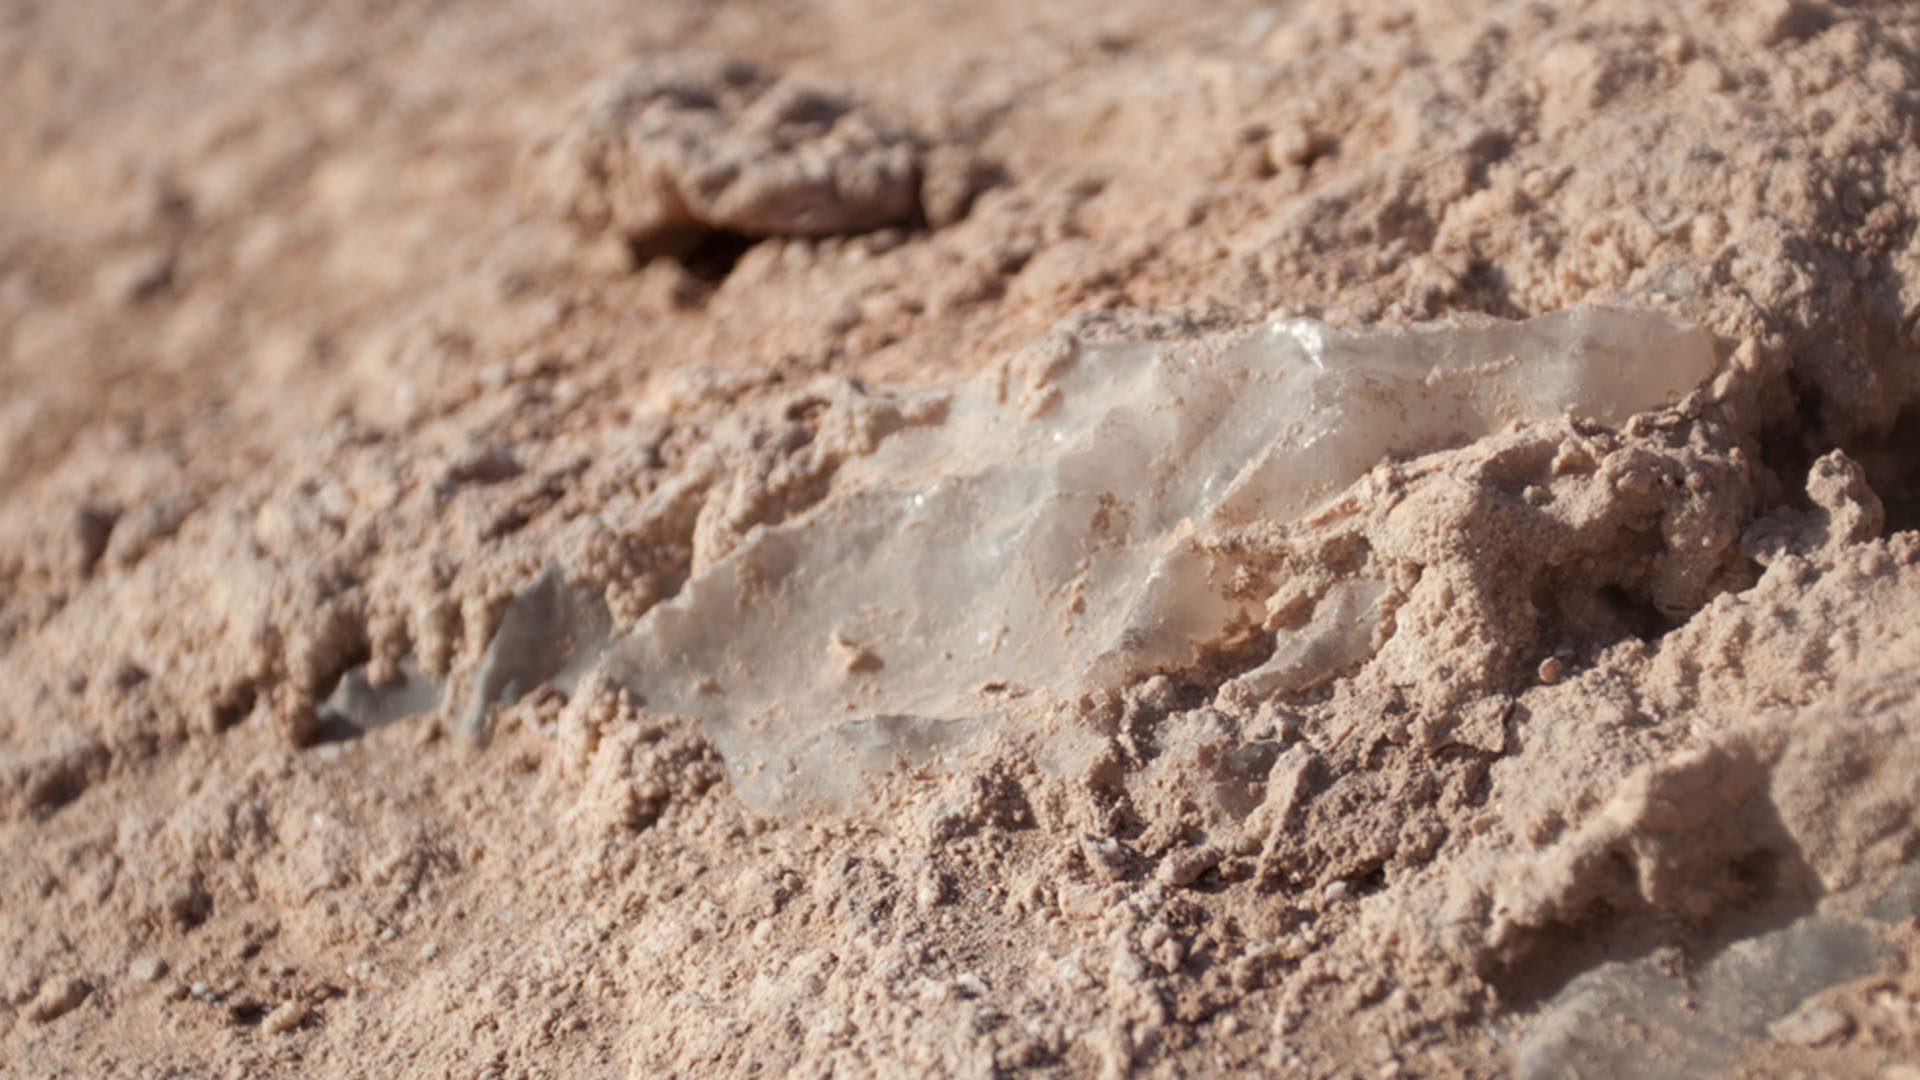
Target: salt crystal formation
(1635,1018)
(1053,549)
(551,633)
(361,705)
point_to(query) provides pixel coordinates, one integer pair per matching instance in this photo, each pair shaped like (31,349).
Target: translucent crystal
(1633,1018)
(551,632)
(1339,635)
(362,705)
(1000,554)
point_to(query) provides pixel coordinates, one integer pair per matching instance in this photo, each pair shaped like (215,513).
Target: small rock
(1170,953)
(147,969)
(1815,1026)
(289,1015)
(1183,868)
(1107,856)
(1296,147)
(57,999)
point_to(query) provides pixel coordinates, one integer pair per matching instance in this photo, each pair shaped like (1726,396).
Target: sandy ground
(312,357)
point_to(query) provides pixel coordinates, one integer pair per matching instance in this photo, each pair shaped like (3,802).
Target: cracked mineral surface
(1062,533)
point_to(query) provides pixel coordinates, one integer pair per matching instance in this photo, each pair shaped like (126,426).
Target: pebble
(1105,855)
(57,1000)
(289,1015)
(147,969)
(931,892)
(1183,868)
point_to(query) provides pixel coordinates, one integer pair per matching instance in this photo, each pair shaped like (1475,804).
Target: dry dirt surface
(327,329)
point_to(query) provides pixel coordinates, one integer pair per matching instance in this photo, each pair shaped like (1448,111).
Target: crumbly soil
(312,356)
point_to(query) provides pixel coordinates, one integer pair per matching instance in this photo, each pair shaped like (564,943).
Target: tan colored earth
(326,328)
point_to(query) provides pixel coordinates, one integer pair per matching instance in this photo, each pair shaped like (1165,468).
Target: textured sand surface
(327,329)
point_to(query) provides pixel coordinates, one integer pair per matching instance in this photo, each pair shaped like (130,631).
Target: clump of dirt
(678,151)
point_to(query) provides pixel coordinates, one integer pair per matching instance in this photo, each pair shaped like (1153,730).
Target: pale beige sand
(301,366)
